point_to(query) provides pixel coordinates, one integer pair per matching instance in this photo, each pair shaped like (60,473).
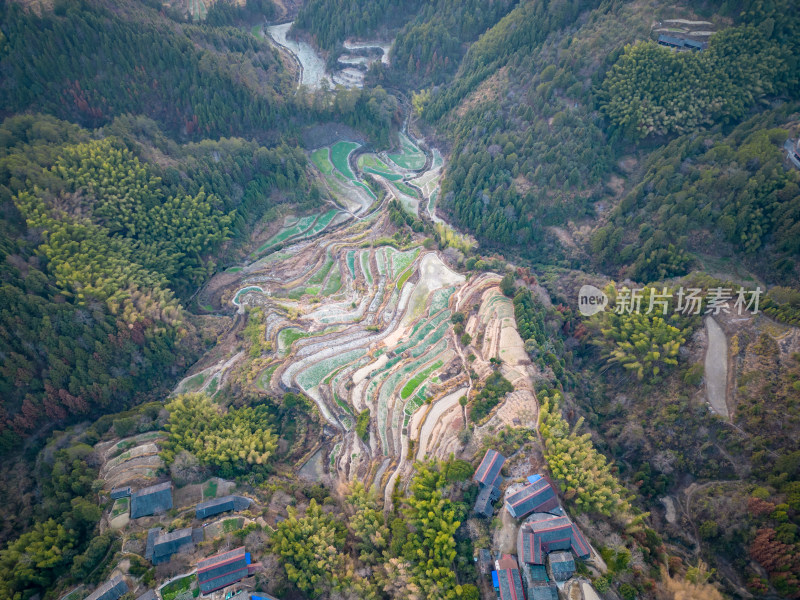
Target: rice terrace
(363,323)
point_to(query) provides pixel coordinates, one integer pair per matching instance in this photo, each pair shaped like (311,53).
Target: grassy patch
(339,153)
(266,377)
(334,282)
(404,277)
(320,158)
(412,385)
(231,525)
(362,424)
(210,491)
(289,336)
(177,587)
(195,382)
(120,507)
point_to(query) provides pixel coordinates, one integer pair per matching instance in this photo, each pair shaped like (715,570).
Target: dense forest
(730,191)
(100,247)
(521,166)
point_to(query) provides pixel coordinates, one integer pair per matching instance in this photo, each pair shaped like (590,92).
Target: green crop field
(411,156)
(408,191)
(266,377)
(289,336)
(334,282)
(339,153)
(412,385)
(351,263)
(120,507)
(300,227)
(322,273)
(320,158)
(322,222)
(210,491)
(365,266)
(403,278)
(366,188)
(312,376)
(176,588)
(389,176)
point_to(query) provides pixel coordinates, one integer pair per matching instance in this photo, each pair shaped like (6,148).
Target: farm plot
(365,266)
(313,375)
(366,188)
(120,507)
(410,156)
(289,336)
(372,164)
(351,263)
(380,259)
(402,260)
(318,277)
(427,182)
(242,292)
(340,152)
(334,282)
(422,331)
(414,382)
(321,223)
(265,378)
(322,160)
(407,190)
(179,589)
(288,231)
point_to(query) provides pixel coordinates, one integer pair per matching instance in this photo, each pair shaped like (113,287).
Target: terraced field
(410,156)
(356,324)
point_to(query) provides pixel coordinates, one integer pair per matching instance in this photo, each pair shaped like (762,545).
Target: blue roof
(495,581)
(534,478)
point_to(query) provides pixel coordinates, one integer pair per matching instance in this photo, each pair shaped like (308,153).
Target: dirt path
(716,368)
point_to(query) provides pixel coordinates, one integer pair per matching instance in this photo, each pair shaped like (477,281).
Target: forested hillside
(544,151)
(145,153)
(100,247)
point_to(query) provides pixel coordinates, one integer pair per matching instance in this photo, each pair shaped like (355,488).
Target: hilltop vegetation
(732,190)
(100,246)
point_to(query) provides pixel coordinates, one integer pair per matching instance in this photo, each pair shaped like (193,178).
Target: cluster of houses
(213,573)
(548,542)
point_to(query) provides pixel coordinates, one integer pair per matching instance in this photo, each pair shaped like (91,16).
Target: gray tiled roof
(151,500)
(110,590)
